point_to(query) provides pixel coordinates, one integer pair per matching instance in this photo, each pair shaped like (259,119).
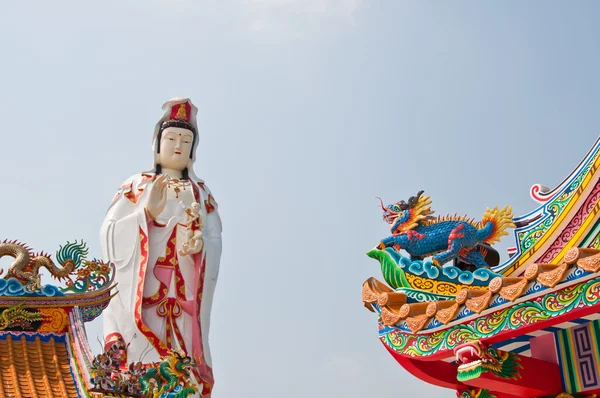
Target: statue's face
(175,148)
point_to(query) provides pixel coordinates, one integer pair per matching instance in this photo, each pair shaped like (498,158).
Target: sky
(308,109)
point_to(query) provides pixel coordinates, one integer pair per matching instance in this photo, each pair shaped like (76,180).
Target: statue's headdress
(180,115)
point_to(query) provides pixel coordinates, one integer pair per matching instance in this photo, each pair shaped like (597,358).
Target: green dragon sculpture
(475,358)
(170,379)
(475,393)
(18,316)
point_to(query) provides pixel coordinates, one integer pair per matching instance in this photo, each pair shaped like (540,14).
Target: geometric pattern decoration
(520,344)
(579,358)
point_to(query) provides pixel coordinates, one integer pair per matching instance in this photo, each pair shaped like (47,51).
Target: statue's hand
(158,196)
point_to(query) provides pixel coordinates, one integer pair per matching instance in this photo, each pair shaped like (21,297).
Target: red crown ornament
(181,112)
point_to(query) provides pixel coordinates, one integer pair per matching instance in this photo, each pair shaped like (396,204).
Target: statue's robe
(164,300)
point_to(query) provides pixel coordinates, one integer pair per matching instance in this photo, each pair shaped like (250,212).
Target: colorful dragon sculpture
(17,315)
(415,230)
(476,358)
(26,266)
(475,393)
(170,379)
(167,379)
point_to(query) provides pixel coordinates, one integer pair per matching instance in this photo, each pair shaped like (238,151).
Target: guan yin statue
(162,232)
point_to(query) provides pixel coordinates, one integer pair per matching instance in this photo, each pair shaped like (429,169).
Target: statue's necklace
(178,185)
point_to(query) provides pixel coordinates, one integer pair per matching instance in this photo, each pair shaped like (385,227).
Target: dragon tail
(494,224)
(74,251)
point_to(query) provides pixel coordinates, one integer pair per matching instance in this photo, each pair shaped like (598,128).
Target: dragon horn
(381,203)
(412,201)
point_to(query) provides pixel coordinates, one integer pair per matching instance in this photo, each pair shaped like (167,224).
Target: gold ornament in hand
(193,235)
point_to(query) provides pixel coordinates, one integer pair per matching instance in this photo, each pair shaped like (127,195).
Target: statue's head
(175,148)
(176,137)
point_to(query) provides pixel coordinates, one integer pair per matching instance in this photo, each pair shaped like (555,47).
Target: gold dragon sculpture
(26,265)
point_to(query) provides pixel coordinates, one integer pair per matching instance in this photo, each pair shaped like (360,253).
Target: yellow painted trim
(565,366)
(529,253)
(574,241)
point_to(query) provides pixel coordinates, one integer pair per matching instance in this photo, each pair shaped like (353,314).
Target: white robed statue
(163,233)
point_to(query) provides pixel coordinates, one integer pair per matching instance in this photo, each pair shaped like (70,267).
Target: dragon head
(181,362)
(471,352)
(475,358)
(403,216)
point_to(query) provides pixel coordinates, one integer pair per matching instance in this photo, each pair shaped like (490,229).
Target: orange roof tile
(35,368)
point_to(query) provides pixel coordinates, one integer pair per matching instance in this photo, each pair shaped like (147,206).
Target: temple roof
(550,282)
(395,308)
(44,349)
(35,366)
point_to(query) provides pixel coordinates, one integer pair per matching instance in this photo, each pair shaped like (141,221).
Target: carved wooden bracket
(509,288)
(475,300)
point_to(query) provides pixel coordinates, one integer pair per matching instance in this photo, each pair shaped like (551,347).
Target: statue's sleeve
(212,244)
(213,227)
(119,233)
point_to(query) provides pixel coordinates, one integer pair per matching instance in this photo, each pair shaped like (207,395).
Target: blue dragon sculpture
(416,231)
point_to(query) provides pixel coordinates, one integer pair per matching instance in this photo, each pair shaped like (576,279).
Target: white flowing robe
(164,298)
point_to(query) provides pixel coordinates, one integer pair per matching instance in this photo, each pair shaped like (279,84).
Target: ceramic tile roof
(30,367)
(395,309)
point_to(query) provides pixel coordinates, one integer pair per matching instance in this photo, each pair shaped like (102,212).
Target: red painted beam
(438,373)
(591,393)
(538,378)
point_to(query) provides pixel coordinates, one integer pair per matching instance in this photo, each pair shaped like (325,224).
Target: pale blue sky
(308,110)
